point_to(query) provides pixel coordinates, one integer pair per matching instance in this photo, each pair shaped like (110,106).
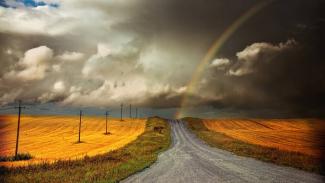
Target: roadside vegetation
(19,157)
(110,167)
(268,154)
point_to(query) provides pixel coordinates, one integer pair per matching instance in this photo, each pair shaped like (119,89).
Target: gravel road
(191,160)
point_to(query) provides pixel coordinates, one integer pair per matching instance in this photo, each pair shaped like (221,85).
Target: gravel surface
(191,160)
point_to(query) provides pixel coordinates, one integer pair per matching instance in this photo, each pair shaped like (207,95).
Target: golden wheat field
(50,138)
(300,135)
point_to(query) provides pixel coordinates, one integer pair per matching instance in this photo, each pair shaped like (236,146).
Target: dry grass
(108,167)
(290,134)
(50,138)
(308,158)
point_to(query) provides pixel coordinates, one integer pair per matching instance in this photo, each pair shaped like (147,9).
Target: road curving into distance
(191,160)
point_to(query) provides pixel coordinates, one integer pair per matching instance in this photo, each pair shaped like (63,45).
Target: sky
(101,53)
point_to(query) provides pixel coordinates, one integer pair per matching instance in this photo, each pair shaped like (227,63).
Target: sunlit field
(50,138)
(297,135)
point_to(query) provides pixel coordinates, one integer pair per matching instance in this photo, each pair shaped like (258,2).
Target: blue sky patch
(29,3)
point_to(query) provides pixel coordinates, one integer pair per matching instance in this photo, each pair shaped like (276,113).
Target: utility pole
(18,127)
(130,112)
(106,122)
(79,126)
(121,112)
(136,113)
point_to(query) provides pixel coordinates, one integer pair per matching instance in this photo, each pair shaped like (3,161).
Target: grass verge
(273,155)
(110,167)
(19,157)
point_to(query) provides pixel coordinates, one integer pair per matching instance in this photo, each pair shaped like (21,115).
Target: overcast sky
(101,53)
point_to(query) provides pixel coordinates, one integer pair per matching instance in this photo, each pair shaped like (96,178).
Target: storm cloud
(103,53)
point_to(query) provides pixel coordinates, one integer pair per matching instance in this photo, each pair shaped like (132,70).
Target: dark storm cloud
(193,22)
(292,81)
(205,21)
(168,38)
(173,99)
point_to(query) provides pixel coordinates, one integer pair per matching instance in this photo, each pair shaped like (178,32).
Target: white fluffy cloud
(103,50)
(258,52)
(112,63)
(90,52)
(71,17)
(38,20)
(33,66)
(71,56)
(116,73)
(59,86)
(220,63)
(108,77)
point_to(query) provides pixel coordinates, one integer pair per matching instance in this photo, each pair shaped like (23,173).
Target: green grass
(110,167)
(273,155)
(19,157)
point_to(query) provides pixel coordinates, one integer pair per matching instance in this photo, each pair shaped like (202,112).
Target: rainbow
(213,50)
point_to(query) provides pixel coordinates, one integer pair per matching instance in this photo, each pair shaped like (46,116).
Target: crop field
(111,166)
(299,135)
(297,143)
(52,138)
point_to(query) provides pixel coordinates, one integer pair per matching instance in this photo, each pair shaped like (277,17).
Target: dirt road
(191,160)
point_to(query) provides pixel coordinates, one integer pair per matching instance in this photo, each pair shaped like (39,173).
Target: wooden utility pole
(106,122)
(80,125)
(130,112)
(136,113)
(121,112)
(18,127)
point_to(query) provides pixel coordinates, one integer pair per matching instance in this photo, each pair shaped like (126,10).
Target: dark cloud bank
(145,51)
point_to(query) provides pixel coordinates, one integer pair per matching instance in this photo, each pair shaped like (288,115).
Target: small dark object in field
(158,129)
